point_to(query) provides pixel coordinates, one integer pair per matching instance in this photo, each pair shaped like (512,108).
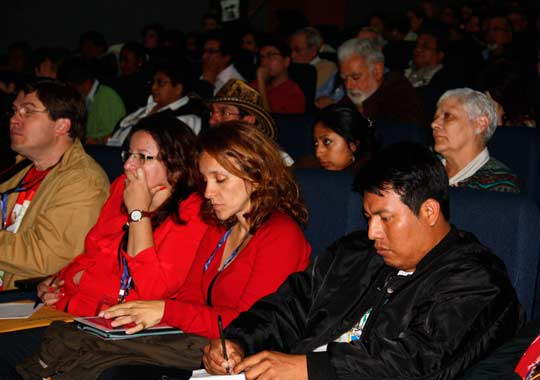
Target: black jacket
(457,306)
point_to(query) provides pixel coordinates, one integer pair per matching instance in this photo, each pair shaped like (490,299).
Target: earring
(353,158)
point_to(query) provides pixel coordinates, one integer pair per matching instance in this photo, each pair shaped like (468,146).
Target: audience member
(424,300)
(93,49)
(47,61)
(428,72)
(52,200)
(104,106)
(140,259)
(217,65)
(151,36)
(132,84)
(239,101)
(343,139)
(171,82)
(464,122)
(378,96)
(305,44)
(19,58)
(278,92)
(416,20)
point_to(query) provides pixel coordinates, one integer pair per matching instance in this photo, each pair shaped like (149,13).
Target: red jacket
(277,249)
(158,272)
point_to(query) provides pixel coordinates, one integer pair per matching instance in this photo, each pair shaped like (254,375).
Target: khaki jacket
(64,208)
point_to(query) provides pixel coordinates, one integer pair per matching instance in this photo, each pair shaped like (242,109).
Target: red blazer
(277,249)
(158,272)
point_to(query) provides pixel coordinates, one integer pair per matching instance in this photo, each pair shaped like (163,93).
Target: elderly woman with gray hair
(464,122)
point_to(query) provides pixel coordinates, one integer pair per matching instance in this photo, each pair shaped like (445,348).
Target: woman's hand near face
(143,314)
(137,195)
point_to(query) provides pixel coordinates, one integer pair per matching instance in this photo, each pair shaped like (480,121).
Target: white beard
(357,97)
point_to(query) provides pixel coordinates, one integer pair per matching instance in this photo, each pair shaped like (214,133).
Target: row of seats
(517,147)
(508,224)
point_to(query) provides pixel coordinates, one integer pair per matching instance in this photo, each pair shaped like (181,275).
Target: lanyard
(219,244)
(126,280)
(20,188)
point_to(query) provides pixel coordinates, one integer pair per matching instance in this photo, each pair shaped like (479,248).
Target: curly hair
(247,153)
(177,150)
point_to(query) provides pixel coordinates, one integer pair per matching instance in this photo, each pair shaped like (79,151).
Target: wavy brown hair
(247,153)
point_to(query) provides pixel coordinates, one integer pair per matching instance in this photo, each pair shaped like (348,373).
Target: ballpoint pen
(38,301)
(223,347)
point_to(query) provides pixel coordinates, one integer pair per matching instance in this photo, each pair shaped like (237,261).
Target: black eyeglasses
(140,157)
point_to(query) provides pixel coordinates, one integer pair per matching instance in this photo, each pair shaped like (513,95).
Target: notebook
(102,328)
(202,374)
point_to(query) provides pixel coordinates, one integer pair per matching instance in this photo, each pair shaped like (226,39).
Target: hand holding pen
(49,291)
(223,346)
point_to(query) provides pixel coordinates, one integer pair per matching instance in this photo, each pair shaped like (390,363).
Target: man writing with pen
(413,298)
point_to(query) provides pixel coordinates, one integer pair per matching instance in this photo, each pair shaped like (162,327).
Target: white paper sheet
(202,374)
(17,310)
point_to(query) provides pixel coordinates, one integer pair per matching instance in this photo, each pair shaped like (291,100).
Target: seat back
(108,157)
(334,209)
(509,225)
(389,132)
(295,134)
(519,149)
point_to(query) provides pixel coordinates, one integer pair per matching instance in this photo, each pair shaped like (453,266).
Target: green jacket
(105,111)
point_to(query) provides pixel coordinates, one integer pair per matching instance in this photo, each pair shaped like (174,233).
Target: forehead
(451,104)
(355,64)
(30,99)
(387,201)
(208,164)
(498,22)
(161,75)
(142,140)
(270,49)
(212,44)
(427,40)
(321,130)
(224,107)
(299,39)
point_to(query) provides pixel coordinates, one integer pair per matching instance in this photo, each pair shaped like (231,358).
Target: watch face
(135,215)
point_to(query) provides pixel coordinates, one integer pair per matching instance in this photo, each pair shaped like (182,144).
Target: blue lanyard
(230,258)
(126,280)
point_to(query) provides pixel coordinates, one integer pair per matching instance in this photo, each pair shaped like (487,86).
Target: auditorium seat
(294,134)
(108,157)
(519,149)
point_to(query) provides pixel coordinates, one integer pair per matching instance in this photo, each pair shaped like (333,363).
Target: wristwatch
(137,215)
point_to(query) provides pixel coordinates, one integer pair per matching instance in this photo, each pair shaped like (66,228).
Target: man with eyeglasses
(427,71)
(54,193)
(279,93)
(217,65)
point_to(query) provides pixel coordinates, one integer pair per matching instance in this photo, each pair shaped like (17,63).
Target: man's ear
(430,211)
(250,119)
(178,89)
(378,71)
(62,126)
(287,61)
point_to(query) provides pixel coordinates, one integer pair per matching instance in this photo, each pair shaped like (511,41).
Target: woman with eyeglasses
(147,234)
(171,81)
(254,241)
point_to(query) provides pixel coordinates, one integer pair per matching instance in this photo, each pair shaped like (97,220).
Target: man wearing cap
(239,101)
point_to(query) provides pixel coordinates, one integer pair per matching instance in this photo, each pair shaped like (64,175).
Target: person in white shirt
(170,83)
(217,66)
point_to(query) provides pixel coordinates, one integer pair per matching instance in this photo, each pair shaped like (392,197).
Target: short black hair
(440,35)
(225,42)
(273,41)
(411,170)
(179,72)
(136,48)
